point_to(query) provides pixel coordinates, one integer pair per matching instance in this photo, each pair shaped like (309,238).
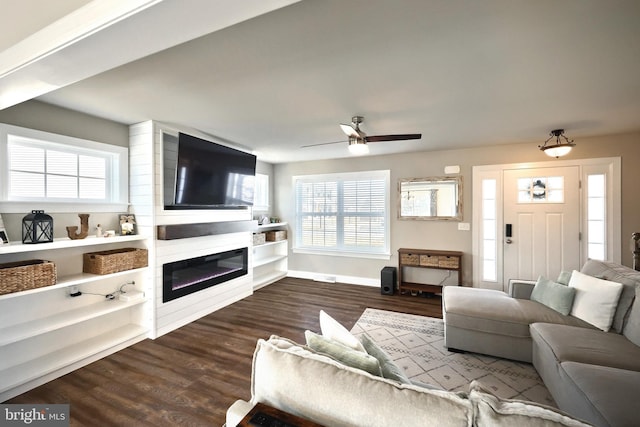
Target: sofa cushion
(632,327)
(299,381)
(493,411)
(333,330)
(602,395)
(629,278)
(554,295)
(343,354)
(496,312)
(591,346)
(596,299)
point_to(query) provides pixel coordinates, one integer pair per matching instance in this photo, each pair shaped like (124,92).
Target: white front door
(541,217)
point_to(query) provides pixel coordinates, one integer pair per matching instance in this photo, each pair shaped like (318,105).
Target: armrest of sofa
(521,289)
(237,412)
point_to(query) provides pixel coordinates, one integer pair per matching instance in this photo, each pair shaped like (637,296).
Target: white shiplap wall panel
(146,196)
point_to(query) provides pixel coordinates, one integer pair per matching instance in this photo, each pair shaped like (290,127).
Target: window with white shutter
(48,168)
(345,213)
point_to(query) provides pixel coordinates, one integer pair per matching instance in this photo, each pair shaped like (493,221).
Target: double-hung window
(52,169)
(343,213)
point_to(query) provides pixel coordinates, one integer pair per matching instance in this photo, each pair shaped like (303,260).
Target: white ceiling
(463,73)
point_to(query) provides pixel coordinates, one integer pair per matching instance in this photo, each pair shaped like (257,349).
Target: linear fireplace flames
(187,276)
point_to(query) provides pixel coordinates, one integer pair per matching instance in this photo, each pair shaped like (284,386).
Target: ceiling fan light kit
(357,146)
(559,148)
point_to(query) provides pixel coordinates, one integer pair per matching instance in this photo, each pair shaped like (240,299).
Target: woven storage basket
(274,236)
(429,260)
(113,261)
(259,238)
(410,259)
(448,262)
(24,275)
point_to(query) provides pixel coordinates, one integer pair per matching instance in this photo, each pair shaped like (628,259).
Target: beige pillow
(333,330)
(596,299)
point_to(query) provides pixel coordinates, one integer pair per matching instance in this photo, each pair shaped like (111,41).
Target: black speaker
(388,280)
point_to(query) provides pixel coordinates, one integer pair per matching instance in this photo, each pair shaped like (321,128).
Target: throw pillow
(493,411)
(333,330)
(343,354)
(388,367)
(564,277)
(554,295)
(596,299)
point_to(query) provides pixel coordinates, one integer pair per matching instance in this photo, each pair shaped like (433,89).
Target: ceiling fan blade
(401,137)
(323,143)
(350,131)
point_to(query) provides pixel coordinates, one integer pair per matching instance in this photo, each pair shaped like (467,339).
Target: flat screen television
(207,175)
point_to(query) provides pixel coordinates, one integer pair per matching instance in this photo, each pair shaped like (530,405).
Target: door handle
(508,232)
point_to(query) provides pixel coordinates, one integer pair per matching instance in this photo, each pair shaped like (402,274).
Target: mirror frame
(432,179)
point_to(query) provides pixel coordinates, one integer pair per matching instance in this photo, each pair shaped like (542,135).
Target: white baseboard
(333,278)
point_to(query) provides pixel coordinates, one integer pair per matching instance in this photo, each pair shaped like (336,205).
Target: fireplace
(187,276)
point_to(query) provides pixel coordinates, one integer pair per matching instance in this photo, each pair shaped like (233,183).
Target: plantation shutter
(346,213)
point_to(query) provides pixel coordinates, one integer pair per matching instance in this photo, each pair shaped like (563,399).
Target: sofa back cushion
(632,327)
(299,381)
(492,411)
(630,280)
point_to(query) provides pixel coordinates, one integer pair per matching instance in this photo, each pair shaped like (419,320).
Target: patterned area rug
(416,343)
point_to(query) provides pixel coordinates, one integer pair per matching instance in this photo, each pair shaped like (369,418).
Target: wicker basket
(275,236)
(259,239)
(449,262)
(24,275)
(429,260)
(410,259)
(115,260)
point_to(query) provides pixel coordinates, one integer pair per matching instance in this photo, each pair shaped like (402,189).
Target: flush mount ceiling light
(558,148)
(358,146)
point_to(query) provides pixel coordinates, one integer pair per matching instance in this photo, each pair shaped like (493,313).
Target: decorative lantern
(37,227)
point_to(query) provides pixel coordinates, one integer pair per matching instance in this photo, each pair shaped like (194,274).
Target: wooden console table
(266,416)
(427,258)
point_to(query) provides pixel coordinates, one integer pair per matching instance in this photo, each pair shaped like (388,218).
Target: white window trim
(385,254)
(120,182)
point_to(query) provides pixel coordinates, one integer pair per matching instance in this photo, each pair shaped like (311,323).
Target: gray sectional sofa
(592,374)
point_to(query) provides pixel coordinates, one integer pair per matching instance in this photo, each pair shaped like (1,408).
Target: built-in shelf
(272,225)
(73,280)
(28,341)
(53,361)
(268,260)
(41,326)
(65,243)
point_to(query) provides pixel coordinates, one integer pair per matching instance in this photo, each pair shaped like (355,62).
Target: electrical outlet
(464,226)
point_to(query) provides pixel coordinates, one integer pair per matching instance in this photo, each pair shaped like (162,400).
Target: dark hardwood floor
(192,375)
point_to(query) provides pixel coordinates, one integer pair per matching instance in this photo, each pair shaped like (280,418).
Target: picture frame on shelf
(4,237)
(128,225)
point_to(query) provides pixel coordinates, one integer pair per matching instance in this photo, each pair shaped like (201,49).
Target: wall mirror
(431,198)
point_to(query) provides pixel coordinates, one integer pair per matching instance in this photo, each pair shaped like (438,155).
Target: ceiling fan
(358,139)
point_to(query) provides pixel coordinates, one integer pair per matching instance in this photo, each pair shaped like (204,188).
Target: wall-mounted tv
(200,174)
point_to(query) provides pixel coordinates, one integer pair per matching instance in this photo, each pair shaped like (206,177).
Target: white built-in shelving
(45,333)
(270,259)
